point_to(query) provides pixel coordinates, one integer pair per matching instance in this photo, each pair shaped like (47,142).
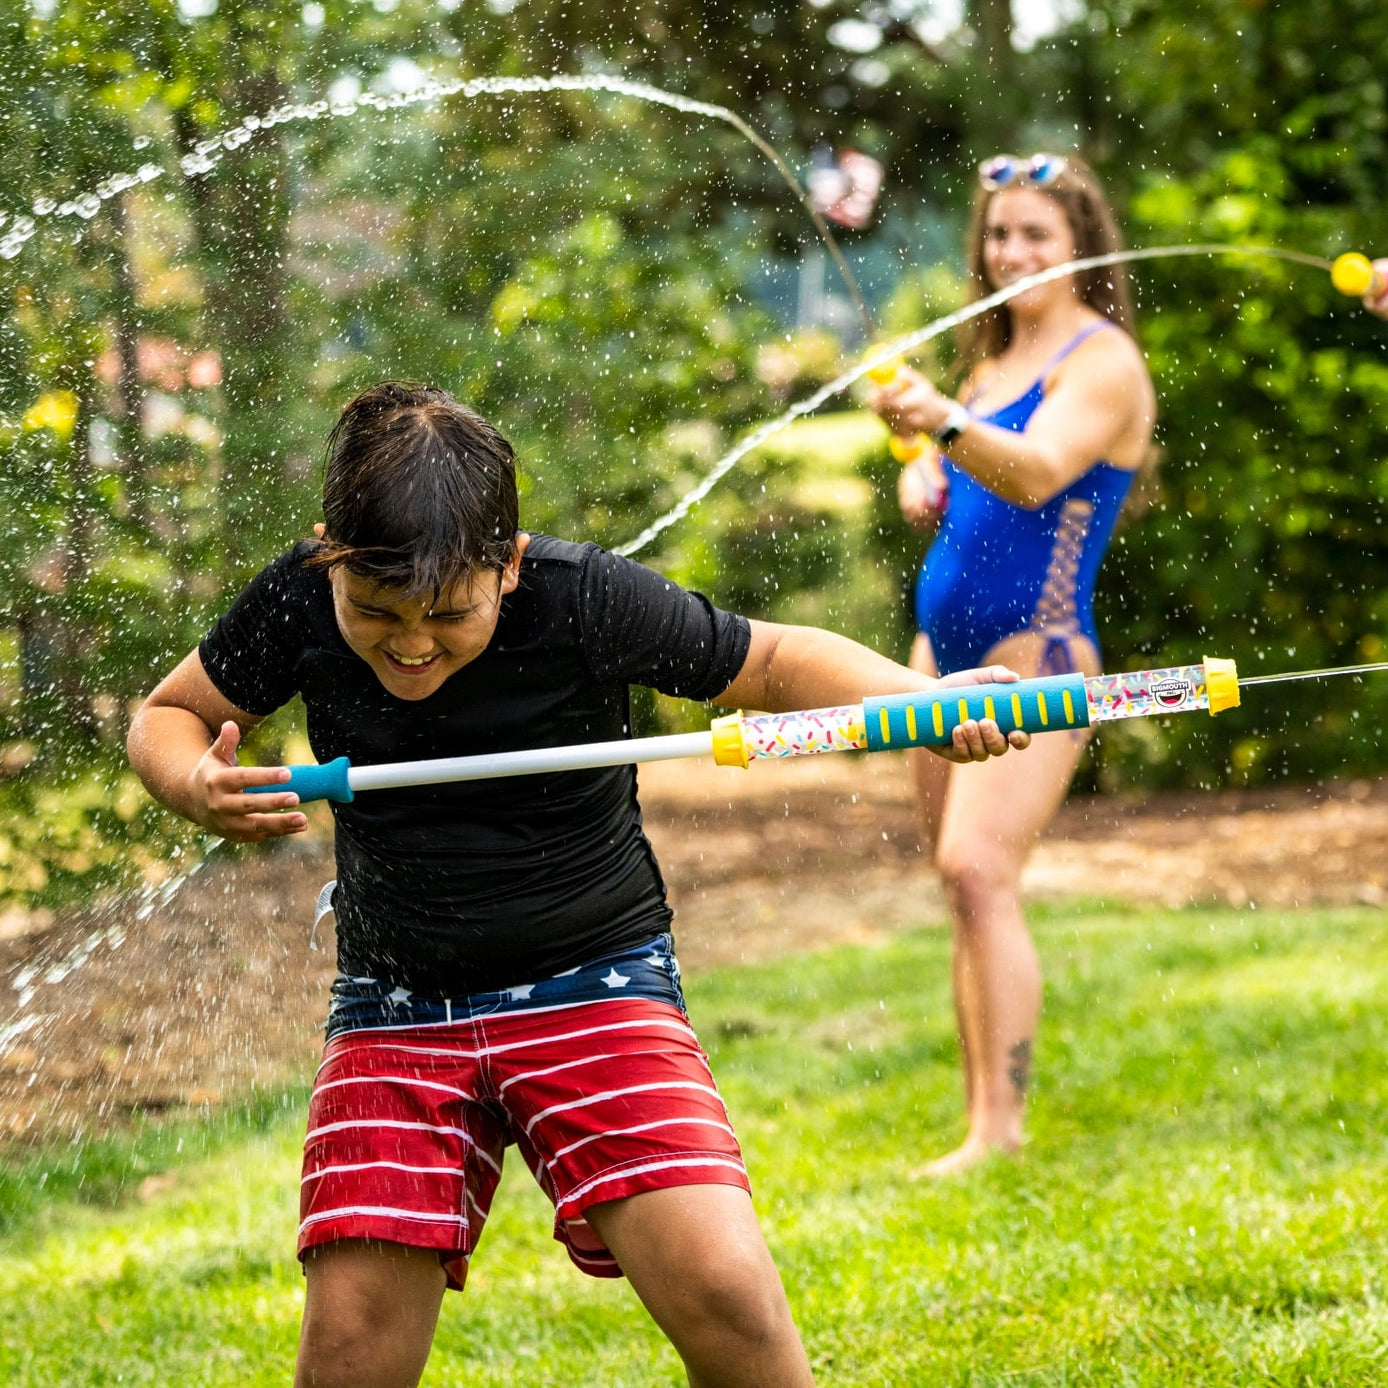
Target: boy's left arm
(792,667)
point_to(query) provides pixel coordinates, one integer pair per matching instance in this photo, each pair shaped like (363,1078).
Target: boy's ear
(510,576)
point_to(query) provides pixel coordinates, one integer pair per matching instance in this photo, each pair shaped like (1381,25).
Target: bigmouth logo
(1171,693)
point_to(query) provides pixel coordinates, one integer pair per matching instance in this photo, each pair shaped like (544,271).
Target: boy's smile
(412,644)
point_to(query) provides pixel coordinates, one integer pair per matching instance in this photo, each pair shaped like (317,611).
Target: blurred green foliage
(577,267)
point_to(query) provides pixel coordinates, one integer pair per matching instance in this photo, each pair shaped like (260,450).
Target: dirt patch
(211,987)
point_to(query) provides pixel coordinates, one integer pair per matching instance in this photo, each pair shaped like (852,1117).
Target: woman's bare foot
(970,1154)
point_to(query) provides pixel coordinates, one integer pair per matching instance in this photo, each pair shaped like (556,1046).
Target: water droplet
(195,164)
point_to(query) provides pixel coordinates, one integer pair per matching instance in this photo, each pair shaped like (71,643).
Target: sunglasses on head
(1005,170)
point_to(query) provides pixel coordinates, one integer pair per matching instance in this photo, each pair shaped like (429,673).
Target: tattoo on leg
(1019,1071)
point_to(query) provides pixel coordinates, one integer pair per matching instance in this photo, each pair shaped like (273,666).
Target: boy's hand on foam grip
(977,740)
(218,787)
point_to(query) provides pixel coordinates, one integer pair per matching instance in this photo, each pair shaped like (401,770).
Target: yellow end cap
(906,448)
(885,372)
(1221,684)
(729,745)
(1352,274)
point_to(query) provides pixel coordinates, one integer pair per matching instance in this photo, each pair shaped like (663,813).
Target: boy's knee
(369,1316)
(743,1302)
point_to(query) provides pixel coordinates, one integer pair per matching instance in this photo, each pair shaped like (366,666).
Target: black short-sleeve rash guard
(479,885)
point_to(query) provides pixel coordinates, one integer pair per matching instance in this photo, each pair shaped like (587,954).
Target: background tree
(590,272)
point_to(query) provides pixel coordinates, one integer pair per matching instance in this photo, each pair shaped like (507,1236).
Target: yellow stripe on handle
(929,717)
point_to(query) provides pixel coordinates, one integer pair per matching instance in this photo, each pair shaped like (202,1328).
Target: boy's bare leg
(696,1257)
(369,1315)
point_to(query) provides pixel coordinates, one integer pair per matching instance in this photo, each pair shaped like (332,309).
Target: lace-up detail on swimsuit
(1057,614)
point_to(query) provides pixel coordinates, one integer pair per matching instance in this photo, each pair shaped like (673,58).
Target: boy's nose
(412,641)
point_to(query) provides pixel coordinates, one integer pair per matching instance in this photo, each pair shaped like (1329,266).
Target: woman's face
(1024,232)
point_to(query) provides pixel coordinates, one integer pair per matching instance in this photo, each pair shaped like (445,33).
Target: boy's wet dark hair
(419,491)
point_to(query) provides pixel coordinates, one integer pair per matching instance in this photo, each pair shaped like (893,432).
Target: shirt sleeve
(252,652)
(640,628)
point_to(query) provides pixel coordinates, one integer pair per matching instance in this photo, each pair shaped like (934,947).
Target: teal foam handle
(325,782)
(928,719)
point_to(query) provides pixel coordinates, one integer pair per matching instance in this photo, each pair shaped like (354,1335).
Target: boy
(505,971)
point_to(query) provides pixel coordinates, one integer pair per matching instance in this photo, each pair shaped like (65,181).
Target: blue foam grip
(929,719)
(326,782)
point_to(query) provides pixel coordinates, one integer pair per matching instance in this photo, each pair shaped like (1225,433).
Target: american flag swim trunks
(596,1076)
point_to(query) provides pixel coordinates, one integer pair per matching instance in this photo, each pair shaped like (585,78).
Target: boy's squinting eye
(380,614)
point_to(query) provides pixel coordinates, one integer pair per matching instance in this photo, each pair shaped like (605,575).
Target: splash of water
(46,969)
(901,346)
(205,156)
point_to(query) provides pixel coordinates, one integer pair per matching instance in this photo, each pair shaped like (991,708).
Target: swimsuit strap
(1079,338)
(1053,361)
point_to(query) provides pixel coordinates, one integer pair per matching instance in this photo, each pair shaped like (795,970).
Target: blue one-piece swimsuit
(996,569)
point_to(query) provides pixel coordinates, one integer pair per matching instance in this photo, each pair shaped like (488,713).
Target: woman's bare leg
(930,777)
(993,813)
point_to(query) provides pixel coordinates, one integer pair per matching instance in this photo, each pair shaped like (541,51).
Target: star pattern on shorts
(522,993)
(398,996)
(615,980)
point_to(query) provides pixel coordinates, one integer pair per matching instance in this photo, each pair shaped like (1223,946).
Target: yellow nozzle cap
(1352,274)
(906,448)
(1221,684)
(729,744)
(885,372)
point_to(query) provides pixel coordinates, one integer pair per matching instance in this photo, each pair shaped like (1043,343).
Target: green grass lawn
(1204,1199)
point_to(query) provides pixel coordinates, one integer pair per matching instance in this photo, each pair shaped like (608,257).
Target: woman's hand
(220,799)
(909,404)
(922,491)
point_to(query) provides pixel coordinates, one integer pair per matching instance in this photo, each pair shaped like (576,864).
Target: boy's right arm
(182,744)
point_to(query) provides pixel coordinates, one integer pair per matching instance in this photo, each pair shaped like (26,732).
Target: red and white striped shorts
(604,1099)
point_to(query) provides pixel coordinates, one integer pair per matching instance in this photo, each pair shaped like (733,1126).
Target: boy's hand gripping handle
(325,782)
(929,719)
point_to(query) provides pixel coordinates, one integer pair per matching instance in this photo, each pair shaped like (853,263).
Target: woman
(1054,419)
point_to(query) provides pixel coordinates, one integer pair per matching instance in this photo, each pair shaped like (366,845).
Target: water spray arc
(207,154)
(881,363)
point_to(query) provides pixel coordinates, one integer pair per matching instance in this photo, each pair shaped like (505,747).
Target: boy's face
(411,644)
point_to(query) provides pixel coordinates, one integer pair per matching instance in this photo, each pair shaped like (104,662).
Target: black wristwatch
(956,421)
